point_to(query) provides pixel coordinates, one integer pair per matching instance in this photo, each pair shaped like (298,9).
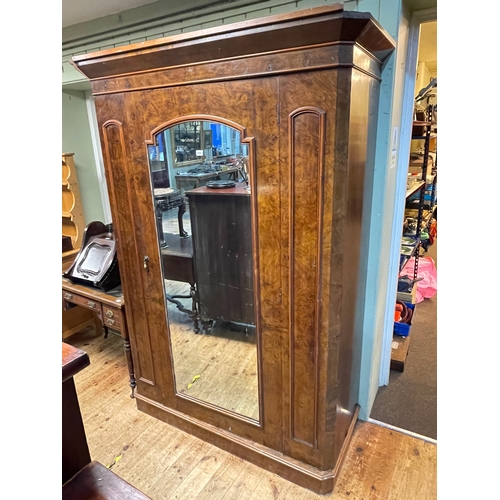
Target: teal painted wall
(372,323)
(76,139)
(378,212)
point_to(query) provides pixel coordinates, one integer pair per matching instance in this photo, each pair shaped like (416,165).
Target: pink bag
(427,287)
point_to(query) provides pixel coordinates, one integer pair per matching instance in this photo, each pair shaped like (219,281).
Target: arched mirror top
(198,117)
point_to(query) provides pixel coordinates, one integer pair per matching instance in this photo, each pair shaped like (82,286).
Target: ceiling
(79,11)
(427,49)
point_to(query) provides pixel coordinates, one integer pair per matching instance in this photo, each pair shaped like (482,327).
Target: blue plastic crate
(402,329)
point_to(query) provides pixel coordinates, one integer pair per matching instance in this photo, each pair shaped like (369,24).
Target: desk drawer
(111,317)
(80,300)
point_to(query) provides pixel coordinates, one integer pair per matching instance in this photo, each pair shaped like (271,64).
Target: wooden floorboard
(166,463)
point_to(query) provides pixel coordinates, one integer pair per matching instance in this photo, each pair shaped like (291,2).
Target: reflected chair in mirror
(177,262)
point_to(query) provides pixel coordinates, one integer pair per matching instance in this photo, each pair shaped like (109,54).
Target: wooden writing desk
(109,308)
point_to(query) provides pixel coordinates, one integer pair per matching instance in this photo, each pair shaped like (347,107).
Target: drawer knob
(91,304)
(68,296)
(110,321)
(109,313)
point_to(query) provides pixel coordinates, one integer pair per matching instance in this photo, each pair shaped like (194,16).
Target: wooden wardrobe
(301,90)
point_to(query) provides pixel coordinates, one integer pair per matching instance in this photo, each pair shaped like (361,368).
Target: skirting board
(297,472)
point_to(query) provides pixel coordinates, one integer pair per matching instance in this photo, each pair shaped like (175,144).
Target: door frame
(417,18)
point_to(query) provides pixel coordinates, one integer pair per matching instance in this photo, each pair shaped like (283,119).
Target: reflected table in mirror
(166,199)
(190,180)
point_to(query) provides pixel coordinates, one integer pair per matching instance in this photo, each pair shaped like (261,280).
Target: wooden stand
(73,221)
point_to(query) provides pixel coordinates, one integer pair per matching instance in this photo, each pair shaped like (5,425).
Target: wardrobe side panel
(117,154)
(362,135)
(307,154)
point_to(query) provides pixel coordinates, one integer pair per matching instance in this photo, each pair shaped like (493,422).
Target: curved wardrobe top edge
(300,28)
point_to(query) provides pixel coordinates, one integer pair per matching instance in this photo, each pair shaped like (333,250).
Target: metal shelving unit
(423,223)
(401,344)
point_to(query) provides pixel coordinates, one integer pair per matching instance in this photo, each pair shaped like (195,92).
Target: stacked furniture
(73,227)
(73,221)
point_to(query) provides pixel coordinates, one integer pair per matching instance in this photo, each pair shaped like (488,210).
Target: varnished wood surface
(238,190)
(313,27)
(96,482)
(75,320)
(301,89)
(112,297)
(166,463)
(75,450)
(73,360)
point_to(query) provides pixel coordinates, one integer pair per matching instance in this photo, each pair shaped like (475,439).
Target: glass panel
(202,204)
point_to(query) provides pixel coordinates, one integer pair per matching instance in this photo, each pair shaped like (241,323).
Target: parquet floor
(166,463)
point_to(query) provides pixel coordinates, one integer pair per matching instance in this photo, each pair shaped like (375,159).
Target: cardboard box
(399,352)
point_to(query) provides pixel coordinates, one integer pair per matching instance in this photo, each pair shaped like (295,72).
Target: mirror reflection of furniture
(199,176)
(222,240)
(301,90)
(160,179)
(230,385)
(177,263)
(164,200)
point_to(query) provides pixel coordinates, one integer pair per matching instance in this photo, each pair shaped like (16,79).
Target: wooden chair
(96,482)
(82,478)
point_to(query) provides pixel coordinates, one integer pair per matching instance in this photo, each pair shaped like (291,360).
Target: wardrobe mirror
(202,202)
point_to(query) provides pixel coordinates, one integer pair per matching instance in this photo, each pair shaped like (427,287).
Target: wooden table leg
(182,210)
(130,364)
(159,225)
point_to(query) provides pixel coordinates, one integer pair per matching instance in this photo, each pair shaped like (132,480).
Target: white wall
(423,77)
(76,138)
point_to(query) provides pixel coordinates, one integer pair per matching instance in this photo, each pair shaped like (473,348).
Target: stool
(96,482)
(166,199)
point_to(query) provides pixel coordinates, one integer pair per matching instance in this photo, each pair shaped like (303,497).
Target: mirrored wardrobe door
(202,203)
